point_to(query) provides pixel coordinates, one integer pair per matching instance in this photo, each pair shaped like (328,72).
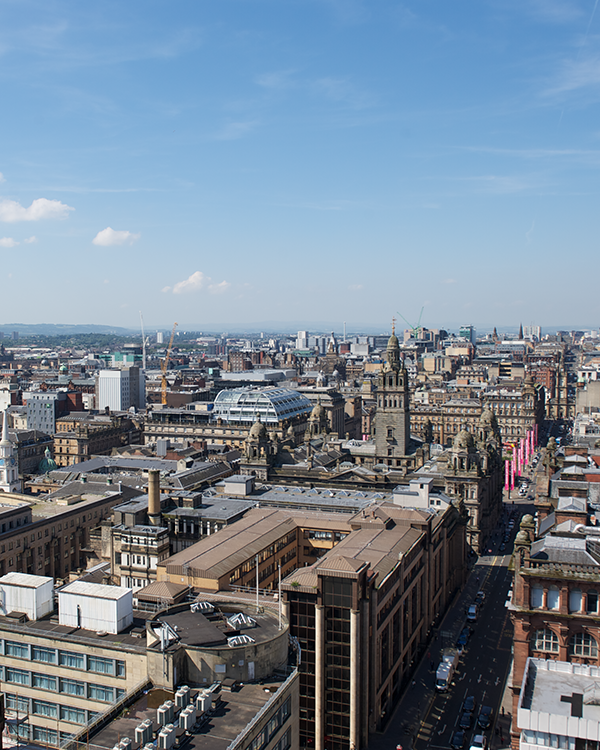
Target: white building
(9,470)
(121,389)
(559,705)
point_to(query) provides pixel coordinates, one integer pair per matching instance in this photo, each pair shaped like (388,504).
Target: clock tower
(9,472)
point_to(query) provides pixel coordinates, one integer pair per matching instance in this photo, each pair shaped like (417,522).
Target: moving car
(463,638)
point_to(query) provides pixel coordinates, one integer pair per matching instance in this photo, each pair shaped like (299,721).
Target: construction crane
(164,365)
(414,330)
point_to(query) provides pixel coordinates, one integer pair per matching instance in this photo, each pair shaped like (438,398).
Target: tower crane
(164,365)
(414,330)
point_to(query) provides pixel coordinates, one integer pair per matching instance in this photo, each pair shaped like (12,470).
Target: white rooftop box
(94,606)
(33,595)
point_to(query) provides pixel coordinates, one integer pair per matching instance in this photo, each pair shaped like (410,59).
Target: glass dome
(272,405)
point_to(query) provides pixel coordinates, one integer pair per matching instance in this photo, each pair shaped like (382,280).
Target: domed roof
(258,430)
(63,368)
(527,520)
(47,463)
(487,416)
(393,342)
(463,439)
(317,413)
(522,538)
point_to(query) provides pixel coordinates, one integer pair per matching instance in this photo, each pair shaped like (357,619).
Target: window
(76,715)
(120,669)
(544,640)
(16,649)
(582,644)
(537,596)
(553,597)
(591,602)
(43,708)
(45,736)
(46,655)
(72,687)
(575,600)
(101,693)
(71,659)
(16,703)
(17,676)
(100,665)
(43,681)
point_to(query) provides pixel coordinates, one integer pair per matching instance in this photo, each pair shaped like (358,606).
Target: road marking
(479,679)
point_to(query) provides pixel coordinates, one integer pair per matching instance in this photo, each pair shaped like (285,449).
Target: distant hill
(57,329)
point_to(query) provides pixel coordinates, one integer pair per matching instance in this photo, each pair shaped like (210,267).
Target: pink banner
(506,474)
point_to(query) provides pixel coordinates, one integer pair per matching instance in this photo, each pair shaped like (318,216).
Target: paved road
(425,718)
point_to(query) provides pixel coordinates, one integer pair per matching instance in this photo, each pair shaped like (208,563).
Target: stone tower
(392,420)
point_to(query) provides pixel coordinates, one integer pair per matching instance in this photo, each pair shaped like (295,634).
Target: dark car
(458,741)
(466,720)
(502,547)
(463,638)
(469,704)
(485,717)
(480,597)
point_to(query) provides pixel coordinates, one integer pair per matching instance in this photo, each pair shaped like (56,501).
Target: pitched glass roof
(272,405)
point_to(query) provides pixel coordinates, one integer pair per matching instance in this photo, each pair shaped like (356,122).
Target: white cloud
(111,236)
(2,178)
(7,242)
(197,282)
(30,240)
(355,287)
(449,281)
(41,208)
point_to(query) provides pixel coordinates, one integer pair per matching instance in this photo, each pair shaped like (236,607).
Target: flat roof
(235,712)
(95,590)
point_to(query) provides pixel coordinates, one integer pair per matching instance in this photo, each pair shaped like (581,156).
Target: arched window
(582,644)
(591,602)
(544,640)
(537,596)
(553,597)
(575,600)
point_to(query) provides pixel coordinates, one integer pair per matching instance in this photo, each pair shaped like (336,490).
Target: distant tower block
(154,497)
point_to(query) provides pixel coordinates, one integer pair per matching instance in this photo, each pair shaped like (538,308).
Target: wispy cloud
(234,130)
(277,80)
(41,208)
(109,236)
(198,282)
(10,242)
(2,178)
(575,75)
(342,91)
(554,11)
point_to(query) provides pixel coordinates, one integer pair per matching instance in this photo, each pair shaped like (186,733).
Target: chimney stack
(154,497)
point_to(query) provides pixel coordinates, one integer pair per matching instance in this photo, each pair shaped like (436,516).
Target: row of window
(58,684)
(272,727)
(578,601)
(72,659)
(580,644)
(34,707)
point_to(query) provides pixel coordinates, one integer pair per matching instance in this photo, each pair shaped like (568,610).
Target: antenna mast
(144,342)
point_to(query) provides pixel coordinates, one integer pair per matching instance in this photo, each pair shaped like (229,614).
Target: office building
(119,390)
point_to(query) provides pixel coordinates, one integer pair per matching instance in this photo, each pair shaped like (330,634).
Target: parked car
(463,638)
(469,704)
(479,742)
(485,717)
(472,612)
(479,597)
(458,740)
(466,720)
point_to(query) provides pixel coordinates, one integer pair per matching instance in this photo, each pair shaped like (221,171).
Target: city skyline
(315,160)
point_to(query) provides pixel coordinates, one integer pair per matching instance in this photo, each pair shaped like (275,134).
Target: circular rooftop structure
(270,405)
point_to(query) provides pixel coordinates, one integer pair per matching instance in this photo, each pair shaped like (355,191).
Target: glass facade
(302,621)
(337,598)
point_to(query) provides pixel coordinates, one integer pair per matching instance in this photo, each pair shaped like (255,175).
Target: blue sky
(252,161)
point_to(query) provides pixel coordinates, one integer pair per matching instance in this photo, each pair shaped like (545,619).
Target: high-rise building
(468,332)
(119,390)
